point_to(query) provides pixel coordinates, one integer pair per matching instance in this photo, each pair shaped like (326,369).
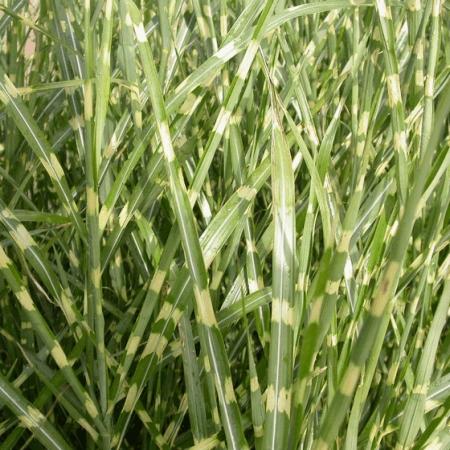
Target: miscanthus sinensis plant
(224,224)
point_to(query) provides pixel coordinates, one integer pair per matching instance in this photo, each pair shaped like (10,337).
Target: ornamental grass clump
(224,224)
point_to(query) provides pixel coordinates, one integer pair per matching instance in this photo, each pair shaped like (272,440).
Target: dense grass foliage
(224,224)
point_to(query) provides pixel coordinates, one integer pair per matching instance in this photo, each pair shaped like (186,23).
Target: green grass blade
(31,417)
(279,383)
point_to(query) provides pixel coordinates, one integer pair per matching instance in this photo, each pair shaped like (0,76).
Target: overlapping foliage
(224,224)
